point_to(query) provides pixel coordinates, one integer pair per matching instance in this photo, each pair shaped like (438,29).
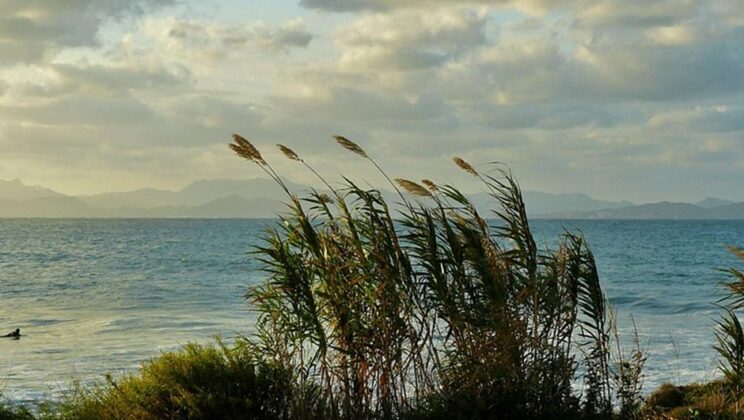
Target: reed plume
(465,165)
(289,153)
(350,146)
(413,188)
(246,150)
(430,185)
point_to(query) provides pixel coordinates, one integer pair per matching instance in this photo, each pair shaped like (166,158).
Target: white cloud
(673,35)
(707,119)
(409,40)
(34,30)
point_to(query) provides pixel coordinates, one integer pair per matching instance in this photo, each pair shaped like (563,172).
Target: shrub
(194,383)
(694,401)
(13,412)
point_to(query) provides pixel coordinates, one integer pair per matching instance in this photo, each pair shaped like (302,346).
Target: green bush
(694,401)
(197,382)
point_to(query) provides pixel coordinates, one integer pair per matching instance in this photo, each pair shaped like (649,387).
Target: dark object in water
(14,334)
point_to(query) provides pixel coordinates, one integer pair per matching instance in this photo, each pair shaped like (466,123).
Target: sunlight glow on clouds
(622,99)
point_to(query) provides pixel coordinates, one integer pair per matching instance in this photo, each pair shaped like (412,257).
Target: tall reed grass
(434,309)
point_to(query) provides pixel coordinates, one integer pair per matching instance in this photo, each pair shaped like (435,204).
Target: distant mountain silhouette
(17,190)
(254,198)
(260,198)
(56,206)
(713,202)
(195,194)
(731,211)
(228,207)
(662,210)
(541,203)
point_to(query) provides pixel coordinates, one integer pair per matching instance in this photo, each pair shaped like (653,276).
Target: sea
(98,297)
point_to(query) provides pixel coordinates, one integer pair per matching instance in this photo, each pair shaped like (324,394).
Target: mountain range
(261,198)
(702,210)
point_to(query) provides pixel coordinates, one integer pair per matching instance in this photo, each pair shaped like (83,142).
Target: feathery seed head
(430,185)
(350,146)
(465,166)
(246,150)
(324,198)
(413,188)
(289,153)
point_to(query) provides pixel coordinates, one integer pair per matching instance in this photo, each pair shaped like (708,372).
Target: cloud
(410,40)
(705,119)
(377,5)
(81,111)
(606,15)
(591,95)
(214,42)
(34,30)
(120,78)
(354,105)
(673,35)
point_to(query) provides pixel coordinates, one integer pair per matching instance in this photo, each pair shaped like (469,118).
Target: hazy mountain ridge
(541,203)
(254,198)
(662,210)
(713,202)
(17,190)
(195,194)
(261,198)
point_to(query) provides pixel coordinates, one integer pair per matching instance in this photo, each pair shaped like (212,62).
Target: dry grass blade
(350,146)
(246,150)
(465,166)
(413,188)
(289,153)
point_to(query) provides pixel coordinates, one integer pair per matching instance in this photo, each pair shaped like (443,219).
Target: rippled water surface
(101,296)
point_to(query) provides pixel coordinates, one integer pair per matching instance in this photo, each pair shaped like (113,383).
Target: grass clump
(13,412)
(695,401)
(197,382)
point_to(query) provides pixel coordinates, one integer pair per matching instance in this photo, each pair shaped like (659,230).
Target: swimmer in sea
(14,334)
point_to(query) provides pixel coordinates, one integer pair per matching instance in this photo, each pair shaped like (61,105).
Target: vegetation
(723,399)
(433,311)
(695,401)
(430,311)
(197,382)
(13,412)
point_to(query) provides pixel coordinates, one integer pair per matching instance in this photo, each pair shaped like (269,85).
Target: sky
(621,99)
